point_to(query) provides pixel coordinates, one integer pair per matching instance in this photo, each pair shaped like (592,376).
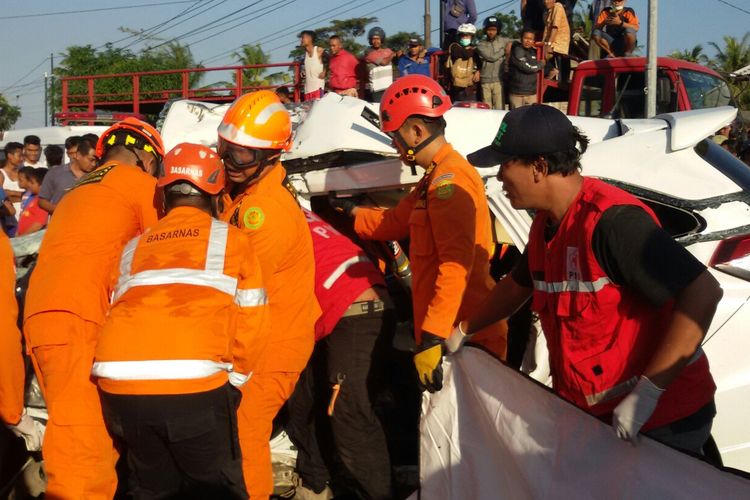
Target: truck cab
(614,88)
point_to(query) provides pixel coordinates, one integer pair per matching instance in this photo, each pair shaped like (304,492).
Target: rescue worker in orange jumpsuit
(446,218)
(68,298)
(12,373)
(261,202)
(187,327)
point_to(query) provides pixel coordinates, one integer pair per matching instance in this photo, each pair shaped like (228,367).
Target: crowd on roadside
(32,180)
(472,65)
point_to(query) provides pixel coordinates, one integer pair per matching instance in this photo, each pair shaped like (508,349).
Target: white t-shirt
(10,184)
(313,69)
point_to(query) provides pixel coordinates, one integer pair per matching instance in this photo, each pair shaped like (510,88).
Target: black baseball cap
(413,42)
(533,130)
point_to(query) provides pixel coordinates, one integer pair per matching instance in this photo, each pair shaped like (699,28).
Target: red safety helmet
(412,95)
(132,133)
(194,164)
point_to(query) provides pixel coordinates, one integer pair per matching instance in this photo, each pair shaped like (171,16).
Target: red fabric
(32,213)
(312,96)
(600,340)
(333,251)
(343,68)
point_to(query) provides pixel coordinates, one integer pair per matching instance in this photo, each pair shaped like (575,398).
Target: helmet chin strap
(263,164)
(410,153)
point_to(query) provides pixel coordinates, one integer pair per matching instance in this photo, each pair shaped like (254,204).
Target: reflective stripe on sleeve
(339,272)
(251,298)
(176,369)
(218,281)
(217,246)
(571,286)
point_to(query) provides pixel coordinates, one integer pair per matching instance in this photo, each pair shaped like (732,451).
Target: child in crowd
(33,218)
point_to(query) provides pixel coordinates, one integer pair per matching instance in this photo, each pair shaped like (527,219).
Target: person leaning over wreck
(623,306)
(445,217)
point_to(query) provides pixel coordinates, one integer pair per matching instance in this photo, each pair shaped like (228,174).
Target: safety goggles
(237,158)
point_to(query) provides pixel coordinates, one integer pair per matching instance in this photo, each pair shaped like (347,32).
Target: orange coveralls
(66,304)
(447,220)
(269,214)
(12,375)
(214,313)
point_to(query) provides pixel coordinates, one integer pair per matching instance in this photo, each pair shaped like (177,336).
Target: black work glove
(344,205)
(429,362)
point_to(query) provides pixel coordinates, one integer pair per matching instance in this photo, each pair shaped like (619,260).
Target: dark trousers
(179,446)
(347,449)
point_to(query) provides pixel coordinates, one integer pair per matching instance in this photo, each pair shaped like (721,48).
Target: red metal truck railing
(89,99)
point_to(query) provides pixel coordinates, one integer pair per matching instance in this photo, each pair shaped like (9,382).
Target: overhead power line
(289,29)
(188,33)
(16,83)
(101,9)
(734,6)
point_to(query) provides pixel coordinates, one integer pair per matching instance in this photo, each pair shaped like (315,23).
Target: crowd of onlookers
(729,138)
(473,65)
(32,180)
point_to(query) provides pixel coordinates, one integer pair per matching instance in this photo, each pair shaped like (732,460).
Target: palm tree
(250,55)
(734,55)
(695,55)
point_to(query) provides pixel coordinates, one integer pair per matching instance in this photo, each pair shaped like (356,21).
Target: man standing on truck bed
(523,71)
(446,218)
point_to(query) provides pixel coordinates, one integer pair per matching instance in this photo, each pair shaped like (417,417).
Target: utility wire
(734,6)
(177,38)
(150,31)
(201,10)
(361,15)
(16,83)
(289,28)
(102,9)
(272,7)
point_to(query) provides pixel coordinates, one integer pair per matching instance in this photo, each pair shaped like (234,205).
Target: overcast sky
(27,41)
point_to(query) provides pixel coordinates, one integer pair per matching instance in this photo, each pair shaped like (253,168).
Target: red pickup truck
(615,88)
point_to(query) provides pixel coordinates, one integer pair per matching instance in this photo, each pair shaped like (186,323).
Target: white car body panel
(656,156)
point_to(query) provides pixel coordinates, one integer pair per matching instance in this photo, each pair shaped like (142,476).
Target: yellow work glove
(429,362)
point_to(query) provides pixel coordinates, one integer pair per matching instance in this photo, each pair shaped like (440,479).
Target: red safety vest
(602,335)
(343,272)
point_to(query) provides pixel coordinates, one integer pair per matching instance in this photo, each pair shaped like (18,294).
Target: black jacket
(523,70)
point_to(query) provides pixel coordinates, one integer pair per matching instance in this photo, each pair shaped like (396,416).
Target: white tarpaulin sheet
(491,433)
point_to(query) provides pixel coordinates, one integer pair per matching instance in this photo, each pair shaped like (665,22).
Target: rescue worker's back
(92,223)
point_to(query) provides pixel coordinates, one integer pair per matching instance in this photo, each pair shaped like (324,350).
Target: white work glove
(635,410)
(30,430)
(456,339)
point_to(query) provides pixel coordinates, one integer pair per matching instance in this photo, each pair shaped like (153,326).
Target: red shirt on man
(343,68)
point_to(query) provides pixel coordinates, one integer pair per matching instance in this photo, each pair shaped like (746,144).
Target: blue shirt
(408,66)
(8,223)
(469,15)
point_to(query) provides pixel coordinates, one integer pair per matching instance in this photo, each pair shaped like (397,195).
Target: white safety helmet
(467,29)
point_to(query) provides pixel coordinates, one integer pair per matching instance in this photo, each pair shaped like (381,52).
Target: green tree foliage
(734,55)
(250,55)
(512,25)
(400,41)
(80,60)
(694,55)
(348,29)
(9,114)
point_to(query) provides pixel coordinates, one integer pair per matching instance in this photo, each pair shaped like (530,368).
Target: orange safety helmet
(194,164)
(133,133)
(412,95)
(257,120)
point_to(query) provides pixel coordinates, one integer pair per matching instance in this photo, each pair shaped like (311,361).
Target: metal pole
(52,89)
(651,70)
(442,32)
(46,112)
(427,24)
